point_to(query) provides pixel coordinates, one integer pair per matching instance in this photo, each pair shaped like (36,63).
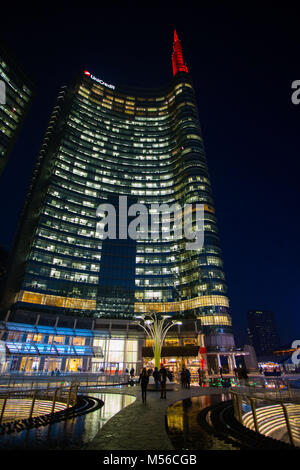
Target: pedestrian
(156,378)
(235,372)
(132,372)
(169,375)
(200,375)
(221,372)
(163,381)
(183,377)
(188,379)
(144,380)
(244,375)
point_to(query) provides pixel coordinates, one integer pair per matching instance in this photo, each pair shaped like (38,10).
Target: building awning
(173,351)
(48,330)
(48,349)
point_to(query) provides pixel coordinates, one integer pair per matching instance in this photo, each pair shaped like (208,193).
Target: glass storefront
(117,354)
(66,350)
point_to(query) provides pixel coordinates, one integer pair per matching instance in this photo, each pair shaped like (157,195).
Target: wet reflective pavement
(75,433)
(183,428)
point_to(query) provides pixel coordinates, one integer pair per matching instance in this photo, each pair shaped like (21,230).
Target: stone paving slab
(142,426)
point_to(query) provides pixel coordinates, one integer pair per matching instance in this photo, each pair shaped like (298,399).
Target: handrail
(267,414)
(20,401)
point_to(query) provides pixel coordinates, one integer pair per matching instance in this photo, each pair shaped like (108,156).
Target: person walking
(221,372)
(200,375)
(183,377)
(169,375)
(163,381)
(156,378)
(188,379)
(144,380)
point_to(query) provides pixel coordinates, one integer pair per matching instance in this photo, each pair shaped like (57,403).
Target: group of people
(160,380)
(185,378)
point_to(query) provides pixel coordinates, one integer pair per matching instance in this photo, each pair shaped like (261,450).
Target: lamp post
(156,327)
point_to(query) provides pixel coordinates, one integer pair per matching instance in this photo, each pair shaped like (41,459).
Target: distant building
(15,99)
(250,359)
(262,332)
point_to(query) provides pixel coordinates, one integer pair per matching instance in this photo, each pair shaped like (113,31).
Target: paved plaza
(143,426)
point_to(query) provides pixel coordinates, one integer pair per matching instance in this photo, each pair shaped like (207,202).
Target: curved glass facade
(104,142)
(16,93)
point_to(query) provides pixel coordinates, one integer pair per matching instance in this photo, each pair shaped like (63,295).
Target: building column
(230,364)
(63,364)
(41,364)
(233,361)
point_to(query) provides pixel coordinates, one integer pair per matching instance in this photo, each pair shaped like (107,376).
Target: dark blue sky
(243,62)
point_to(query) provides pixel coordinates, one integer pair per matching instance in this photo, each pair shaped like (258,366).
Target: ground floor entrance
(41,364)
(114,368)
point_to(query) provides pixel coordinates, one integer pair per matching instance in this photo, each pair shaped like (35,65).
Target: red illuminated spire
(177,58)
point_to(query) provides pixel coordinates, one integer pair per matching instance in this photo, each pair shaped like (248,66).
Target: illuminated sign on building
(99,80)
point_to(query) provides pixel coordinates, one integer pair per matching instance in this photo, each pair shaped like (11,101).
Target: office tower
(262,331)
(15,99)
(104,141)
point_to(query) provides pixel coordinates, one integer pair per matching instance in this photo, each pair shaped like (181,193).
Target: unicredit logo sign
(99,80)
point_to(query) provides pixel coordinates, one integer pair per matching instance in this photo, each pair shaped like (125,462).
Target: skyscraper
(104,141)
(262,331)
(16,97)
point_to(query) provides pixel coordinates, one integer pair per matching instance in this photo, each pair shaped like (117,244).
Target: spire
(177,58)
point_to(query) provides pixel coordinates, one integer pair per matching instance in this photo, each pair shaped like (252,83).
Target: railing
(23,382)
(273,412)
(26,404)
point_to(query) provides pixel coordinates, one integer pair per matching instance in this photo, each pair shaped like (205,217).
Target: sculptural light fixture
(156,326)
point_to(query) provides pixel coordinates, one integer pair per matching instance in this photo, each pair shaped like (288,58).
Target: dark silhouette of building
(262,331)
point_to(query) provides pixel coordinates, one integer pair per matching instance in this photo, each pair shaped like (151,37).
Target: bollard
(54,400)
(76,393)
(32,404)
(69,395)
(288,424)
(253,408)
(3,408)
(289,389)
(238,406)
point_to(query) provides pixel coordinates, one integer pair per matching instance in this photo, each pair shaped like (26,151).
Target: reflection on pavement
(72,434)
(182,424)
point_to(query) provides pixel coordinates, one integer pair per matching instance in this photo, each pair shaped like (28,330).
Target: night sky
(242,62)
